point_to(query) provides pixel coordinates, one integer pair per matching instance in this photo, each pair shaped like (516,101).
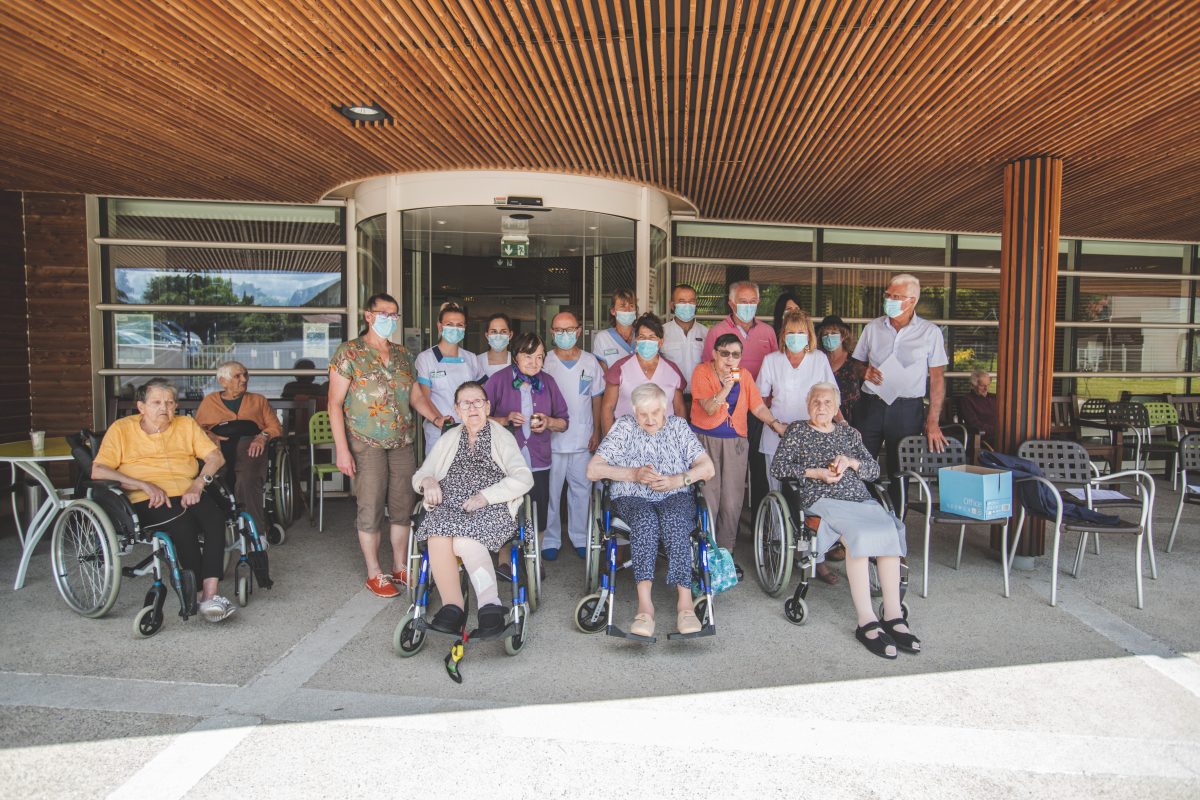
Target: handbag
(722,574)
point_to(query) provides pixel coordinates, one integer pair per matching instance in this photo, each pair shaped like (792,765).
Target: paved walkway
(299,695)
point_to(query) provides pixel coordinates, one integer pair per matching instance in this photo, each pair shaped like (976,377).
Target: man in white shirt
(899,352)
(580,378)
(683,340)
(612,344)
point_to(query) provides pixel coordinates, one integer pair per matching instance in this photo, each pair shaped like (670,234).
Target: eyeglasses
(472,403)
(900,297)
(729,353)
(386,314)
(557,331)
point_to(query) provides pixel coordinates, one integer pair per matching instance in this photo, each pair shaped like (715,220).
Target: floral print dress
(377,403)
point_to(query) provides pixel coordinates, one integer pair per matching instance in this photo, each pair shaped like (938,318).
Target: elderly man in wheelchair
(830,464)
(183,515)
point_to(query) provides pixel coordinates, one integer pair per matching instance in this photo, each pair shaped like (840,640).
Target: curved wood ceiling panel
(882,113)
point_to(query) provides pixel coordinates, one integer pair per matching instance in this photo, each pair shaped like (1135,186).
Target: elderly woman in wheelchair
(654,463)
(474,483)
(830,465)
(152,457)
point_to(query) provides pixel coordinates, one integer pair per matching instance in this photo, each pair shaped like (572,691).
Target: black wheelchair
(99,527)
(522,574)
(278,490)
(594,613)
(781,545)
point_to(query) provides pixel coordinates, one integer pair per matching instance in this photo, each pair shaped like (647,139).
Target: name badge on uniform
(441,373)
(585,385)
(612,351)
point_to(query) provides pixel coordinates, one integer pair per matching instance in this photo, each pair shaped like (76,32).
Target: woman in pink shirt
(644,365)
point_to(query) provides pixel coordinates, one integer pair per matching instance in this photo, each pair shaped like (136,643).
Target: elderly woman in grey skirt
(831,464)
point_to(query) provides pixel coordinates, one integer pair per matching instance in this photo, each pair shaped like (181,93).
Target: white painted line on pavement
(189,757)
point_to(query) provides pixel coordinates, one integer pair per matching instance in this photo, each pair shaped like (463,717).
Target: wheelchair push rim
(83,554)
(774,541)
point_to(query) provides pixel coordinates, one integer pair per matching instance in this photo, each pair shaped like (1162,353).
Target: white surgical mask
(796,341)
(685,312)
(565,339)
(384,326)
(496,341)
(746,311)
(626,317)
(453,334)
(893,308)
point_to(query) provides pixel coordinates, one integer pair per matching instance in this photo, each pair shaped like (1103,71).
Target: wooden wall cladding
(881,113)
(60,358)
(14,338)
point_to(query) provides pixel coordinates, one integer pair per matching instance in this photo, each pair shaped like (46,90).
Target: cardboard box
(975,492)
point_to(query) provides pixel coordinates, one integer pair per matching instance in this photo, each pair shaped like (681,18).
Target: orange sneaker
(382,586)
(400,577)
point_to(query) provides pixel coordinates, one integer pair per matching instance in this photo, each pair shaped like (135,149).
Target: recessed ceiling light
(360,112)
(520,216)
(572,249)
(441,222)
(592,227)
(448,247)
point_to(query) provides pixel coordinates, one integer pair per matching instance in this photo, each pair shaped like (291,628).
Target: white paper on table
(1098,494)
(895,375)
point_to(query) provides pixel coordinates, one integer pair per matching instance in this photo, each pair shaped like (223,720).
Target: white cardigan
(506,454)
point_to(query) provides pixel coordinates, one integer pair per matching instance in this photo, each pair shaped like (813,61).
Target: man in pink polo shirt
(758,339)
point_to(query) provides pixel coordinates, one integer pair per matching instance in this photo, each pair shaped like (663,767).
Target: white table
(22,456)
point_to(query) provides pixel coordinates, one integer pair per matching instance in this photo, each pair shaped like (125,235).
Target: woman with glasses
(472,481)
(645,365)
(371,391)
(722,395)
(529,403)
(444,367)
(784,380)
(498,331)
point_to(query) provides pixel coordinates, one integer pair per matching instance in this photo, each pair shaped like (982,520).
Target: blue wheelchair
(594,613)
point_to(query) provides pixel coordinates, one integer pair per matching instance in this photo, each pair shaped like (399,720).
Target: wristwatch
(208,479)
(687,479)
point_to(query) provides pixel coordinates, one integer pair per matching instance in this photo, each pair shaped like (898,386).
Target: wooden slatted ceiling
(885,113)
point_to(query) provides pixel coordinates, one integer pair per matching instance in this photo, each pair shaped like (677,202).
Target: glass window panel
(975,296)
(858,293)
(1131,257)
(1123,299)
(207,276)
(660,290)
(971,348)
(1128,349)
(755,242)
(884,247)
(172,220)
(1112,388)
(202,341)
(984,251)
(372,258)
(712,285)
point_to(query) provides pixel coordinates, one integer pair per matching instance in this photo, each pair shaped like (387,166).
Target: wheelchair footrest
(423,625)
(613,630)
(261,567)
(707,630)
(509,630)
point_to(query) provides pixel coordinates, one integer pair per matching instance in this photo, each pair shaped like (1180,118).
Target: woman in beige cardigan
(472,481)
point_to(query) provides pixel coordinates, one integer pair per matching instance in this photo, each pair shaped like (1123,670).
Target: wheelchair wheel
(532,553)
(586,609)
(903,610)
(276,534)
(592,559)
(148,622)
(774,541)
(513,644)
(284,489)
(407,640)
(83,553)
(231,545)
(796,610)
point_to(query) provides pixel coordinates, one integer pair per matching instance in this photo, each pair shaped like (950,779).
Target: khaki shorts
(383,476)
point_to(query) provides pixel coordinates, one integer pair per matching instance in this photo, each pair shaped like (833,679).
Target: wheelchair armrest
(697,489)
(92,484)
(877,490)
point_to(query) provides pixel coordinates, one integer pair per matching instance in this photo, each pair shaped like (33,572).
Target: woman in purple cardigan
(528,402)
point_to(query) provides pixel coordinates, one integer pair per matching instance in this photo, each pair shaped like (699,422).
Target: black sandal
(448,619)
(905,641)
(879,644)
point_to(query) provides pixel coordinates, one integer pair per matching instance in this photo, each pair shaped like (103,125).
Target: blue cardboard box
(975,492)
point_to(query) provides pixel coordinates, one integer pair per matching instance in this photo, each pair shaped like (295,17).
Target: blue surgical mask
(453,334)
(831,341)
(384,326)
(685,312)
(796,341)
(647,348)
(626,317)
(746,311)
(565,340)
(893,308)
(496,341)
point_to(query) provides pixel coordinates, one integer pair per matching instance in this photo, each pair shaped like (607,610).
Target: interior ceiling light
(372,113)
(592,227)
(520,216)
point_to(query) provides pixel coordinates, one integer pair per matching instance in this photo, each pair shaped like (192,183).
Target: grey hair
(646,394)
(225,371)
(977,374)
(733,288)
(824,386)
(911,281)
(143,391)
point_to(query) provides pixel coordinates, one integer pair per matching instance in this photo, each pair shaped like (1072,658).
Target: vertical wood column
(1028,298)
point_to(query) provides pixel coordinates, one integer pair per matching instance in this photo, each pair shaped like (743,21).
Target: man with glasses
(580,378)
(898,353)
(683,337)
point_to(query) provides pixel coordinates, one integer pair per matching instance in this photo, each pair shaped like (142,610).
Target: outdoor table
(22,456)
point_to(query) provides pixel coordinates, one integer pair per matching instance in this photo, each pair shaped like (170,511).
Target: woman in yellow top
(722,395)
(153,455)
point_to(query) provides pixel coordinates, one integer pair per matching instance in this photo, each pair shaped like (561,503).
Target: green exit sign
(514,249)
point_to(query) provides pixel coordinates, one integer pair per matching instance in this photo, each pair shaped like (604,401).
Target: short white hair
(978,375)
(225,371)
(911,281)
(733,288)
(646,394)
(824,386)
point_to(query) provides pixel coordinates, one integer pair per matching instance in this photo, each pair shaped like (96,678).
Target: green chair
(1164,416)
(319,435)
